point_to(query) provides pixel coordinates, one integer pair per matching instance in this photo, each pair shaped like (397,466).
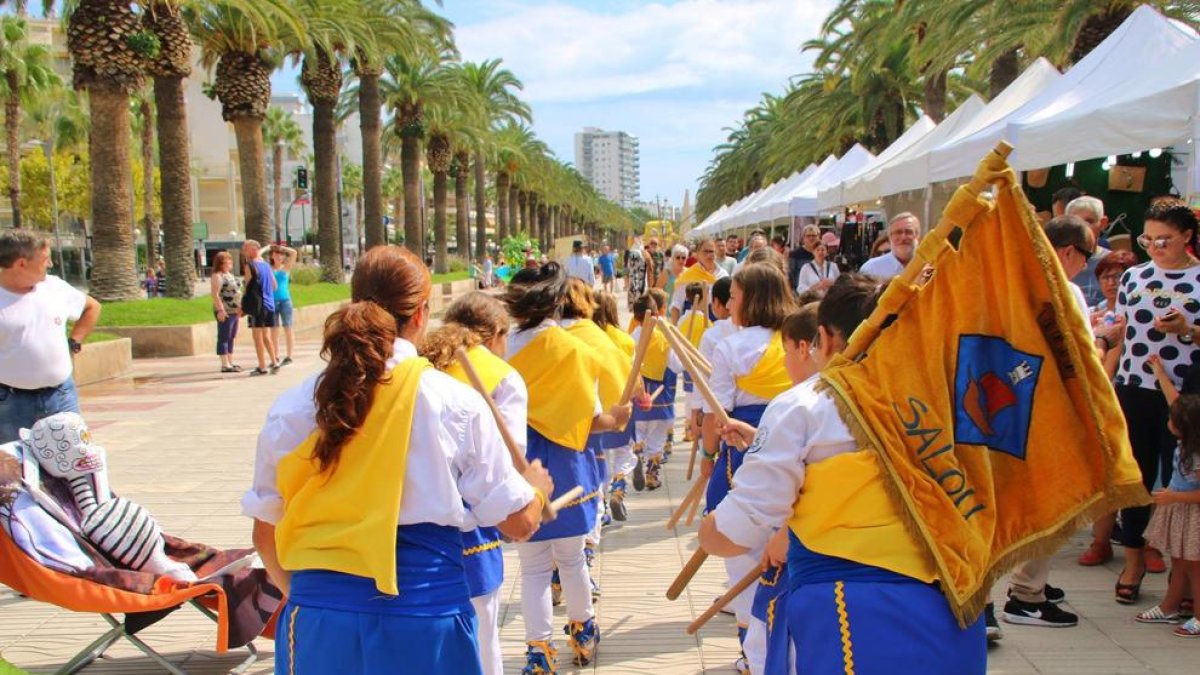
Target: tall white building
(609,161)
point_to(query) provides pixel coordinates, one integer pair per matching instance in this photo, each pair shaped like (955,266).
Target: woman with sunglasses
(1160,301)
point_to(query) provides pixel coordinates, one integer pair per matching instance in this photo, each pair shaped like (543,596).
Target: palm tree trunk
(253,170)
(523,211)
(503,228)
(325,157)
(397,210)
(12,129)
(440,184)
(358,219)
(543,216)
(410,166)
(175,174)
(514,208)
(462,231)
(480,207)
(1003,72)
(369,124)
(148,184)
(935,96)
(113,276)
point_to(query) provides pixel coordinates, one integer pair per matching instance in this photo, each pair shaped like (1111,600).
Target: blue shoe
(595,588)
(539,659)
(589,554)
(616,498)
(605,520)
(584,638)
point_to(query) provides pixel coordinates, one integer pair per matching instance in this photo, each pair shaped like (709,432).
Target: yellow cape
(614,365)
(768,378)
(561,375)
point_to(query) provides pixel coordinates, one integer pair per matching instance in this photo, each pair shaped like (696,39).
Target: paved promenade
(180,438)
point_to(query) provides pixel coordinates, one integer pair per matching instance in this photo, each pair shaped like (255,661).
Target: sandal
(1190,629)
(1156,615)
(258,371)
(1128,594)
(227,369)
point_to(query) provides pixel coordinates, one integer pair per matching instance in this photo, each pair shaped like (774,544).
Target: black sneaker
(258,371)
(287,361)
(1054,595)
(1042,614)
(639,476)
(993,627)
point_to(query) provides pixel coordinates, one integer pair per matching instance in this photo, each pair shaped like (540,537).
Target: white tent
(1161,108)
(780,207)
(707,224)
(911,172)
(738,218)
(759,211)
(802,201)
(868,184)
(1146,44)
(834,194)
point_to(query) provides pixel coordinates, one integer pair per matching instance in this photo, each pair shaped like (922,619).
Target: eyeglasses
(1113,276)
(1157,242)
(679,257)
(1083,251)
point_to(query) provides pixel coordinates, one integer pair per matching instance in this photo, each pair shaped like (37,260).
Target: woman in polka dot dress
(1160,301)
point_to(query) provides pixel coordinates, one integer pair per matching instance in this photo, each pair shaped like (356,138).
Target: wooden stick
(692,457)
(738,588)
(693,495)
(696,505)
(550,510)
(685,575)
(698,382)
(697,358)
(635,373)
(658,392)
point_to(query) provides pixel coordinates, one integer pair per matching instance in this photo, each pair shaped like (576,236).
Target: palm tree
(170,68)
(109,50)
(408,88)
(237,37)
(282,133)
(143,123)
(25,71)
(402,27)
(20,7)
(450,125)
(393,191)
(352,191)
(494,86)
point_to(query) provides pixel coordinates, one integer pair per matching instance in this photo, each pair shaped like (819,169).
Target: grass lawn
(97,336)
(175,312)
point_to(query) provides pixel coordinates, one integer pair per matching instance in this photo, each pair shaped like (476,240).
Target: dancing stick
(685,575)
(702,363)
(738,588)
(693,497)
(698,382)
(658,392)
(695,508)
(692,457)
(550,511)
(635,373)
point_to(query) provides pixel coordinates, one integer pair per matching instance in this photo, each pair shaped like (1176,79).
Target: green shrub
(456,263)
(306,275)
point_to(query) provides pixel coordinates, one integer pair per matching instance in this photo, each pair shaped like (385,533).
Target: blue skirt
(770,607)
(335,622)
(483,559)
(663,407)
(841,611)
(730,458)
(617,439)
(567,468)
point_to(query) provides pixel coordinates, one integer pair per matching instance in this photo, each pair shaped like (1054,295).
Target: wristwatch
(74,345)
(1188,337)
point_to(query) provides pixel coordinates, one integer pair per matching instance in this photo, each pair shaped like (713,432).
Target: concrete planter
(99,361)
(150,342)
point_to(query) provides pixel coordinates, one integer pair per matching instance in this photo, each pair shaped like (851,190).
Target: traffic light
(301,178)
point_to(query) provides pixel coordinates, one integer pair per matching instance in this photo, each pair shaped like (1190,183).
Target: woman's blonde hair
(440,345)
(482,313)
(579,304)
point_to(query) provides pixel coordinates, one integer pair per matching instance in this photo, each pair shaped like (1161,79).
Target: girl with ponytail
(563,378)
(363,478)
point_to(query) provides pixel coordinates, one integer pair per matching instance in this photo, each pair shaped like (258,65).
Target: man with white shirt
(1091,211)
(580,266)
(904,232)
(35,349)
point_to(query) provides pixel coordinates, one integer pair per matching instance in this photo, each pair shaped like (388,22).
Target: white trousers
(755,646)
(537,563)
(487,615)
(654,434)
(622,460)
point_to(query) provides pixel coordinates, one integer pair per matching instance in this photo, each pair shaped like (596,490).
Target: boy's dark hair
(661,300)
(720,290)
(801,325)
(535,294)
(1066,195)
(643,304)
(848,302)
(694,291)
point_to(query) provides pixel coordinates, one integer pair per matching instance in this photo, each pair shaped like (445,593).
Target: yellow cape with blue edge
(560,373)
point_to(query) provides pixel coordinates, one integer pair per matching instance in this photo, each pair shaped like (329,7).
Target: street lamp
(48,149)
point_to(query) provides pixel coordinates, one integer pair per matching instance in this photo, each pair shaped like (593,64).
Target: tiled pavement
(180,439)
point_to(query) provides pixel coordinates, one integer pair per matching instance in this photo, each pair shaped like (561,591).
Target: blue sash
(617,439)
(429,570)
(663,407)
(567,468)
(484,560)
(770,607)
(730,458)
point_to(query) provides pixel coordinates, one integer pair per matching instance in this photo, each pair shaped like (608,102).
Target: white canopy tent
(780,207)
(708,222)
(867,185)
(738,218)
(833,194)
(1144,46)
(758,211)
(802,201)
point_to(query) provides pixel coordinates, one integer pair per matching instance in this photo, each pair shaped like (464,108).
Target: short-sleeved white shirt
(33,333)
(455,454)
(732,358)
(883,267)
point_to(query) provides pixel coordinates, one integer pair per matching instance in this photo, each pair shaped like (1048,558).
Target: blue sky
(672,73)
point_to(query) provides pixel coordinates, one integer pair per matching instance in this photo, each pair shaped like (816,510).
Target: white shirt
(1080,300)
(455,454)
(812,274)
(33,333)
(721,329)
(883,267)
(733,357)
(679,296)
(581,267)
(799,427)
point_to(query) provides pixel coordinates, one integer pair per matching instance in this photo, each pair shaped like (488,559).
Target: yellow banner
(981,395)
